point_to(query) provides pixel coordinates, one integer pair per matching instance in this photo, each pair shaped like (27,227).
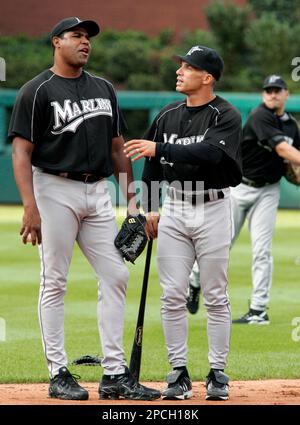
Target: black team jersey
(195,144)
(71,122)
(263,131)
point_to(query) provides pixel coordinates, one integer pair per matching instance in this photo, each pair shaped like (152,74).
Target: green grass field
(256,352)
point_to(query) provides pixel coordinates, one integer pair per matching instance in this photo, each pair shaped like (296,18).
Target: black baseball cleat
(217,387)
(253,317)
(65,386)
(193,299)
(179,385)
(115,386)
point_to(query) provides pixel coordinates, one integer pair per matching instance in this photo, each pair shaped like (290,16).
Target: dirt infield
(270,392)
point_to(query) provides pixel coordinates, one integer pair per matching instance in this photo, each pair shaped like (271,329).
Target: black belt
(252,183)
(81,177)
(195,198)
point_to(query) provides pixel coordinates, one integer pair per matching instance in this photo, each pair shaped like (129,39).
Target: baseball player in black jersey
(66,136)
(194,145)
(270,136)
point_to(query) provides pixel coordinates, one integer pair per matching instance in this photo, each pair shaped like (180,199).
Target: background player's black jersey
(262,132)
(71,122)
(179,131)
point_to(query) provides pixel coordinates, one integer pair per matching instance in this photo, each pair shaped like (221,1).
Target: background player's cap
(274,81)
(69,23)
(204,58)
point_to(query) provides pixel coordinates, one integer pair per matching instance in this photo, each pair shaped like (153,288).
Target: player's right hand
(152,224)
(31,227)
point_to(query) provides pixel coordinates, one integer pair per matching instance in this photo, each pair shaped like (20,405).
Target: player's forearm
(23,175)
(288,152)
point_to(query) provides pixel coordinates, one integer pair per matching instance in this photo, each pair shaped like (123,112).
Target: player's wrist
(30,205)
(133,210)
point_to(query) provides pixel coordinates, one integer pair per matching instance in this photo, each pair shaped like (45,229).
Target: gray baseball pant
(259,206)
(186,233)
(74,211)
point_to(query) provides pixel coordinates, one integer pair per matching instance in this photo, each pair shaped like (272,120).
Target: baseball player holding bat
(194,145)
(67,139)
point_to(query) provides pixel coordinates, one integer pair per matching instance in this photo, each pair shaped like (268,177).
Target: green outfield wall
(152,102)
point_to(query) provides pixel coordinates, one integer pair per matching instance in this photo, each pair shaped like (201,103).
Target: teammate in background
(270,136)
(67,139)
(194,142)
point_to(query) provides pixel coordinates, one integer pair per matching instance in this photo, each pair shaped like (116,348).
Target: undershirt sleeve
(195,153)
(265,126)
(118,120)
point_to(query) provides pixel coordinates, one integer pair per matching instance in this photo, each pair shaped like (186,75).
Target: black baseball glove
(292,173)
(132,239)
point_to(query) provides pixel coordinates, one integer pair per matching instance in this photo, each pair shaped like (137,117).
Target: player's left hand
(152,218)
(31,226)
(140,148)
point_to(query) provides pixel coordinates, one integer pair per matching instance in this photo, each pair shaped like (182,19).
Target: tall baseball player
(194,145)
(270,135)
(66,124)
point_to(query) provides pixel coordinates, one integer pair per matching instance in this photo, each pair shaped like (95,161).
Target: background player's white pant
(204,232)
(259,205)
(74,211)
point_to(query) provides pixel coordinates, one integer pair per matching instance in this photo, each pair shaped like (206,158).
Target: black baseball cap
(204,58)
(68,24)
(274,81)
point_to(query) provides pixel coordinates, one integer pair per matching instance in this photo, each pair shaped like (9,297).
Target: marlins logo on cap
(274,81)
(204,58)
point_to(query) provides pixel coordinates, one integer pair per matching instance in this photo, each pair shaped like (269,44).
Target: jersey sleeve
(118,120)
(265,126)
(226,132)
(296,143)
(27,115)
(296,139)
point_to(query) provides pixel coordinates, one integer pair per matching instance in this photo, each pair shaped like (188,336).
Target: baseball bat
(136,352)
